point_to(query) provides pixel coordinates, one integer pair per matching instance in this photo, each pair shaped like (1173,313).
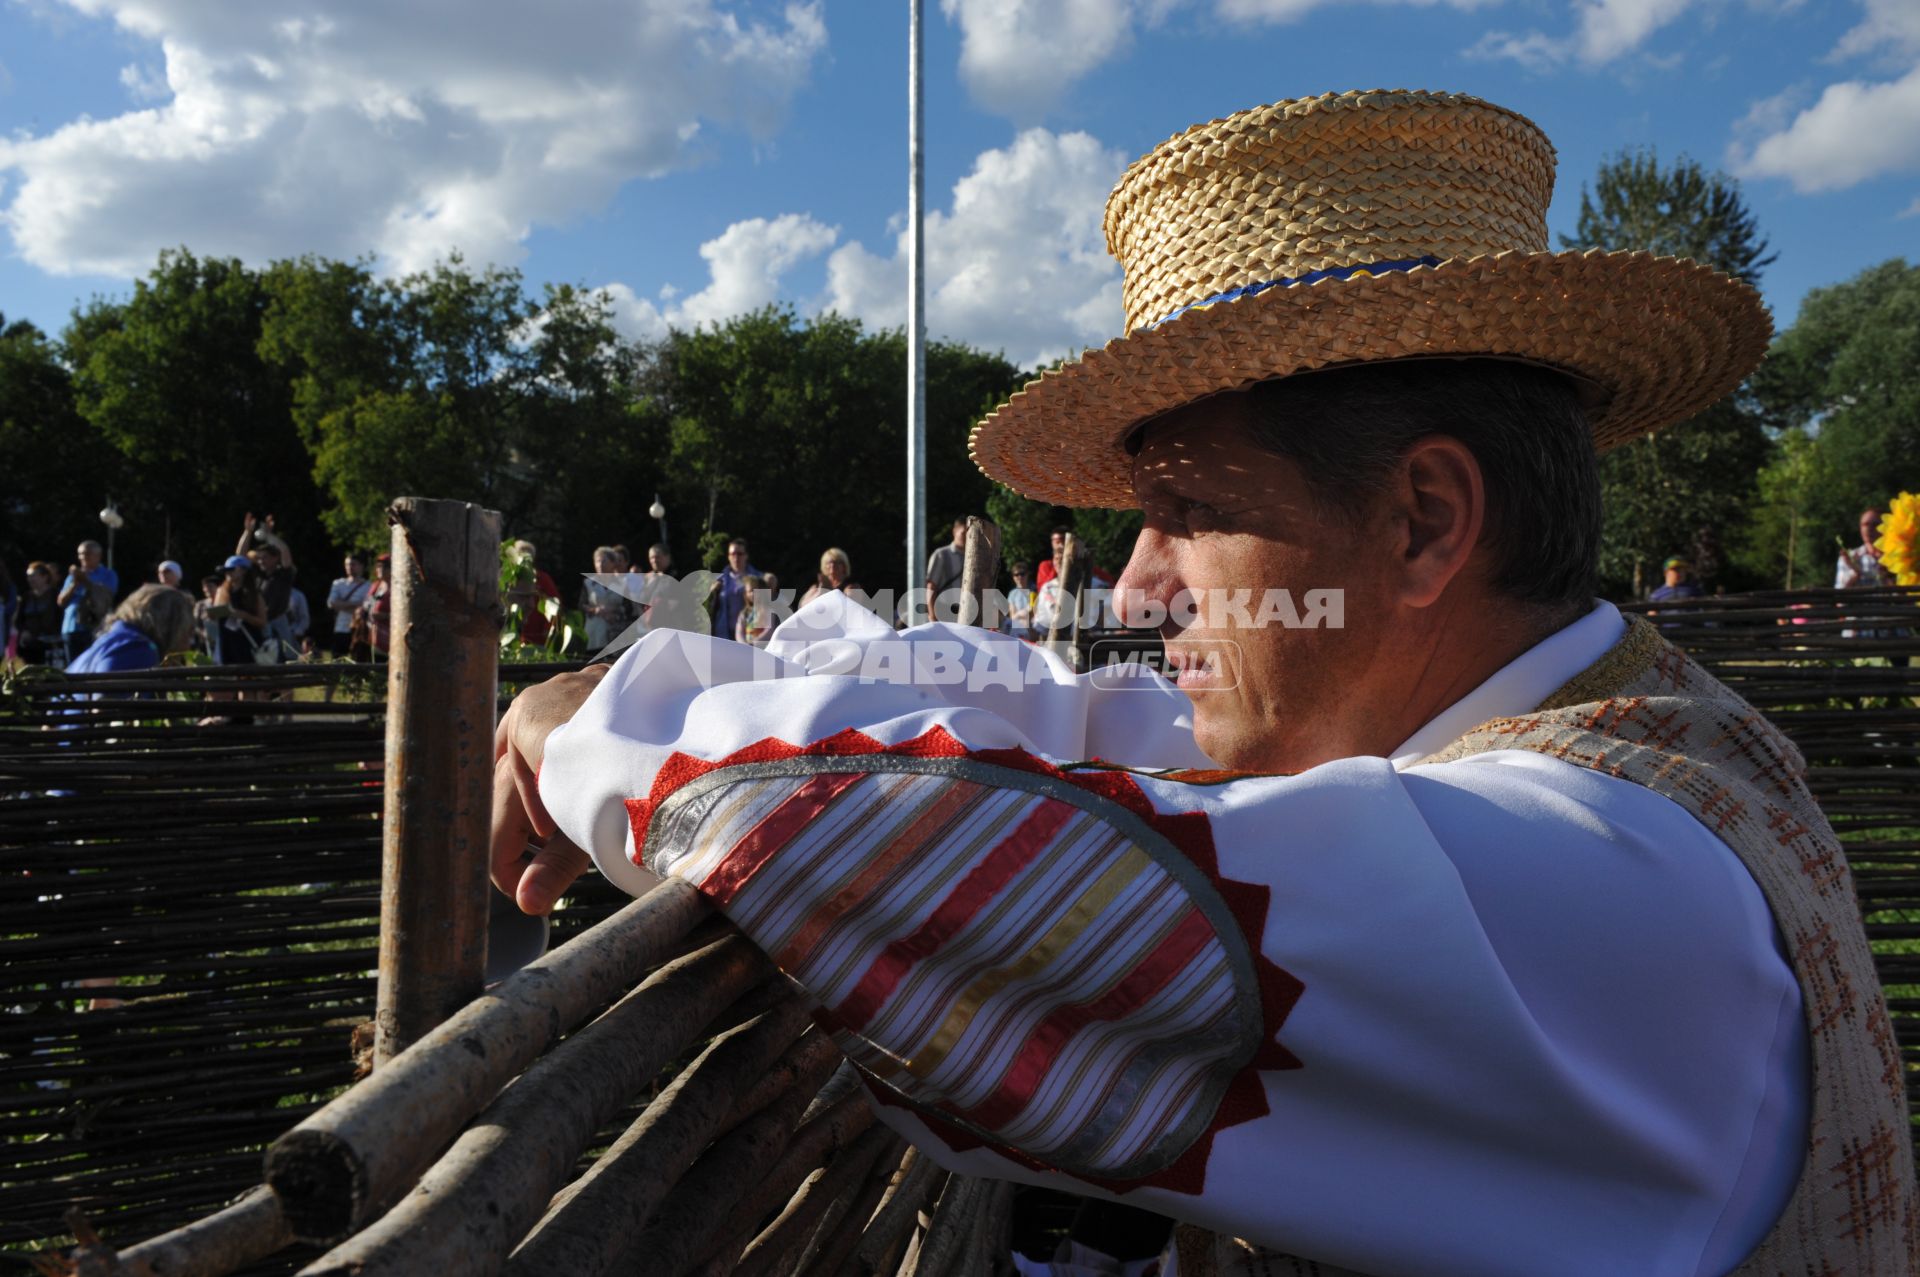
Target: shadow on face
(1234,541)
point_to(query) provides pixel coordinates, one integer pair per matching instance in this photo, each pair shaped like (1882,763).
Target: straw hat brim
(1658,339)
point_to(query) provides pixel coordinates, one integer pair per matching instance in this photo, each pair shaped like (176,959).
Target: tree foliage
(1844,384)
(1690,488)
(58,469)
(318,390)
(792,434)
(1677,210)
(173,381)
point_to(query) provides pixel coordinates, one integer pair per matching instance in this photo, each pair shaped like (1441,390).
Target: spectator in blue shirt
(1679,584)
(87,597)
(155,621)
(731,588)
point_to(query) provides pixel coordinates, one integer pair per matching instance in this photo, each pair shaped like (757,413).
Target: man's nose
(1144,590)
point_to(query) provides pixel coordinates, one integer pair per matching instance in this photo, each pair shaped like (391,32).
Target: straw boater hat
(1356,227)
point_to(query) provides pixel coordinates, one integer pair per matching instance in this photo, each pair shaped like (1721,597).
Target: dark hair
(1347,428)
(733,541)
(1060,529)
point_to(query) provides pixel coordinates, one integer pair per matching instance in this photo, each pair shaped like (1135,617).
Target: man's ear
(1441,502)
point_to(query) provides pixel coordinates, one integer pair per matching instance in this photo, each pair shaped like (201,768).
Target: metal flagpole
(916,325)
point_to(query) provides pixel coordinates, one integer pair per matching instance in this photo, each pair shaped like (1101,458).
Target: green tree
(792,433)
(1677,210)
(1848,374)
(172,378)
(1691,487)
(594,460)
(58,468)
(1784,544)
(1024,525)
(411,386)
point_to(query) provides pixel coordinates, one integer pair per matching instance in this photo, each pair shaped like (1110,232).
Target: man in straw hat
(1436,919)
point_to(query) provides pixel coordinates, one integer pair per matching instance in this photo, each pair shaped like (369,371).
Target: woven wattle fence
(1837,671)
(220,882)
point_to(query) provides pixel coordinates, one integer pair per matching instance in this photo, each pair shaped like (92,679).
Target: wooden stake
(247,1230)
(337,1170)
(898,1216)
(441,679)
(1062,635)
(495,1182)
(982,569)
(591,1221)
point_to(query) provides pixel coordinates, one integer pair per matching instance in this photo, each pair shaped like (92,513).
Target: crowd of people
(250,609)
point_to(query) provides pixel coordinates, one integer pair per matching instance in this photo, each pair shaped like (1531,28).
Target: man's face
(1869,526)
(269,560)
(657,560)
(87,556)
(606,563)
(1225,515)
(737,557)
(1675,576)
(169,577)
(1059,542)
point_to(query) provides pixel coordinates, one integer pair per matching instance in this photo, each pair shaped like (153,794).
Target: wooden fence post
(441,685)
(1063,636)
(981,569)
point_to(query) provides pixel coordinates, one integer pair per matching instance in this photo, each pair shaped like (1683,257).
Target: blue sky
(699,158)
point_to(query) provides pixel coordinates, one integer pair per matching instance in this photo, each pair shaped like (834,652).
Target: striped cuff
(1033,957)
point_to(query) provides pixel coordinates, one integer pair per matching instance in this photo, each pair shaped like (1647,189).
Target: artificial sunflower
(1899,541)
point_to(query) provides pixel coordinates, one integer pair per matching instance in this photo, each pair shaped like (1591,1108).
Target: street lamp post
(114,520)
(658,513)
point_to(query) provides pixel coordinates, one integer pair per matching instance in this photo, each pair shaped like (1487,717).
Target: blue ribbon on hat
(1362,271)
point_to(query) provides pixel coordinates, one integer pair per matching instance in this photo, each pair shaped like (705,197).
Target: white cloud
(1536,52)
(1855,131)
(745,266)
(1017,263)
(1606,30)
(1771,115)
(409,129)
(1891,28)
(1018,56)
(143,83)
(1609,28)
(1293,10)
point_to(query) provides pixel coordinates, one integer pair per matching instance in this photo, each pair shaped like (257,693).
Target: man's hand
(533,862)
